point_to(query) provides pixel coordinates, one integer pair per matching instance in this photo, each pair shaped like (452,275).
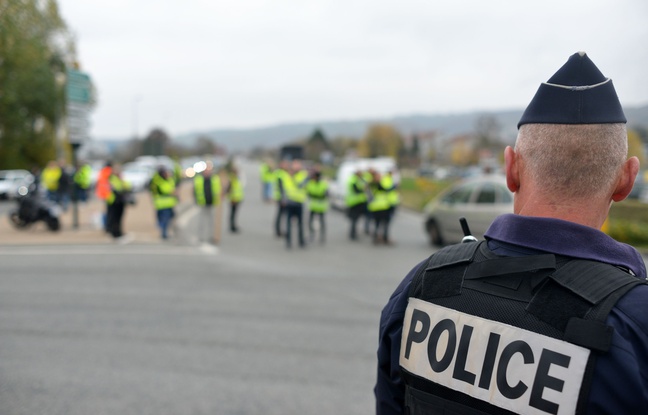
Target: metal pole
(75,202)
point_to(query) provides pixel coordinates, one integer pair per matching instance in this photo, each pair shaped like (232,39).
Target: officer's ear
(626,179)
(512,169)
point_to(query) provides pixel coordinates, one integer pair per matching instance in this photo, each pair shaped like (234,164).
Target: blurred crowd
(300,193)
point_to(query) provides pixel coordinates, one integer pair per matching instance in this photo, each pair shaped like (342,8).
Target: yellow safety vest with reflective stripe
(267,175)
(292,189)
(163,192)
(392,195)
(118,185)
(235,190)
(50,177)
(83,176)
(354,198)
(380,200)
(277,175)
(300,176)
(317,200)
(199,189)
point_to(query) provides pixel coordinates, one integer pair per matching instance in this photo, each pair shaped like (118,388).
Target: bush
(417,192)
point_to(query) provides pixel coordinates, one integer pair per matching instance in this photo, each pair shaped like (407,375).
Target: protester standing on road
(207,193)
(367,177)
(64,188)
(50,178)
(393,194)
(293,196)
(317,191)
(165,198)
(356,201)
(82,179)
(266,172)
(525,313)
(235,194)
(280,174)
(117,199)
(102,191)
(379,207)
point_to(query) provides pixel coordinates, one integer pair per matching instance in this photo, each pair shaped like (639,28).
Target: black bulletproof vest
(567,299)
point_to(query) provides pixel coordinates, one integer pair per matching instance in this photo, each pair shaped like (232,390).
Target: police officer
(547,315)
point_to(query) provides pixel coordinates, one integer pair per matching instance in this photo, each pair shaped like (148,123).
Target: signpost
(78,90)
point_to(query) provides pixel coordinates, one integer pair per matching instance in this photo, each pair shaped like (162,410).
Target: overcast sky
(195,65)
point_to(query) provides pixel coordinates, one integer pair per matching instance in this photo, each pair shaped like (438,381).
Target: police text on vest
(513,368)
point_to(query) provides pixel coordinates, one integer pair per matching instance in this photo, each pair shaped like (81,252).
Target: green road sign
(78,87)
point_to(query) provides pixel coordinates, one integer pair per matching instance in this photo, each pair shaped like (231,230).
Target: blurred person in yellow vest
(356,201)
(235,195)
(177,172)
(278,175)
(118,197)
(82,181)
(393,194)
(318,204)
(380,209)
(207,194)
(165,198)
(293,196)
(266,172)
(50,177)
(367,176)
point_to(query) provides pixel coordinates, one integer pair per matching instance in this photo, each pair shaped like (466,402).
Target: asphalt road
(247,328)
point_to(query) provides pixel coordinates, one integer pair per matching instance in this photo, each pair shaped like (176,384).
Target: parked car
(11,180)
(480,200)
(138,175)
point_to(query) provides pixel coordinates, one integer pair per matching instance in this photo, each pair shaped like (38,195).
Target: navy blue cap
(577,94)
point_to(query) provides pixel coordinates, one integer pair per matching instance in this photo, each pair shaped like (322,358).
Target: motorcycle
(33,208)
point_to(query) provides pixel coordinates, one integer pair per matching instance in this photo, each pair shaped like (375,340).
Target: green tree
(34,45)
(381,140)
(316,145)
(342,146)
(156,143)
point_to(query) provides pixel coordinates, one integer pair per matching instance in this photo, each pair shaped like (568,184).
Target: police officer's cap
(577,94)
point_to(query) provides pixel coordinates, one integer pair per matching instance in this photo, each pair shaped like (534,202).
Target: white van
(338,187)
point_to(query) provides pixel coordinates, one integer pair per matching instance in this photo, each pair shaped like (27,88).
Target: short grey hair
(575,160)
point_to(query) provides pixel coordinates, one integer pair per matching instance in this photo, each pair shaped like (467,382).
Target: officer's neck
(588,212)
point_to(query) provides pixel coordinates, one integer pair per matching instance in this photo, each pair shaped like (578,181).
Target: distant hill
(273,136)
(244,139)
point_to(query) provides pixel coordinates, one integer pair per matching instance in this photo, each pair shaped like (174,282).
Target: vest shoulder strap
(460,254)
(577,299)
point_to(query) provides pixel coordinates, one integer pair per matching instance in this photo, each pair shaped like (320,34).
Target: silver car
(480,200)
(11,180)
